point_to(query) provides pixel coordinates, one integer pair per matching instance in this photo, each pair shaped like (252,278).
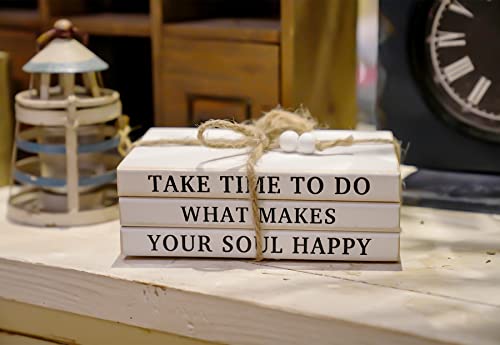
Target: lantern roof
(65,55)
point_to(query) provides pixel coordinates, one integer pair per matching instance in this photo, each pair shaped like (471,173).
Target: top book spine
(231,185)
(359,172)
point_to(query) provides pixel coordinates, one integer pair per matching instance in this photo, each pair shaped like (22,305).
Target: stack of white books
(192,201)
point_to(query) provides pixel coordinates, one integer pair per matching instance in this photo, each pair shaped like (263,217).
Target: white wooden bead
(289,141)
(63,24)
(307,143)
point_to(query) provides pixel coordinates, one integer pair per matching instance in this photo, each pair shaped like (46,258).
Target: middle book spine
(274,214)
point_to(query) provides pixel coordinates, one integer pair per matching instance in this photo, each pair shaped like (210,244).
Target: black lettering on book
(260,185)
(270,242)
(243,244)
(339,189)
(240,185)
(186,184)
(360,185)
(331,245)
(363,245)
(296,215)
(170,183)
(212,214)
(330,216)
(315,216)
(154,242)
(174,243)
(155,178)
(184,242)
(315,185)
(285,217)
(203,184)
(273,184)
(227,245)
(242,211)
(227,214)
(358,188)
(318,245)
(208,214)
(205,243)
(269,217)
(299,214)
(298,186)
(264,243)
(190,213)
(297,244)
(171,242)
(226,180)
(275,246)
(349,243)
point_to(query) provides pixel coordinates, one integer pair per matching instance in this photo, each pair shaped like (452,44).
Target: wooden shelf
(113,24)
(228,29)
(445,291)
(24,19)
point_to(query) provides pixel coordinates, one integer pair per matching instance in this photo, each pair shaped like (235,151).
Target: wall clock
(439,81)
(439,92)
(462,54)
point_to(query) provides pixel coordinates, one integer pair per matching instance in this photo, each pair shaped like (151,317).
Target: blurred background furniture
(6,119)
(178,63)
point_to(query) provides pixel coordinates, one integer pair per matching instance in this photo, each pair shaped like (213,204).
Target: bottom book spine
(277,244)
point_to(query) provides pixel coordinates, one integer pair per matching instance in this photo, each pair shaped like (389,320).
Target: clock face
(463,55)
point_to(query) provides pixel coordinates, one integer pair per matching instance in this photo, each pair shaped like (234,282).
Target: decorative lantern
(65,150)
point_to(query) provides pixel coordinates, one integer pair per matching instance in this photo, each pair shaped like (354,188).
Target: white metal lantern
(65,151)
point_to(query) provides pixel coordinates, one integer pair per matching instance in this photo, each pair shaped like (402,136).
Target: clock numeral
(450,39)
(479,91)
(457,7)
(458,69)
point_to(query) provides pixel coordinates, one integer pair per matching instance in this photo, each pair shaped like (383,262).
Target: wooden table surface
(445,290)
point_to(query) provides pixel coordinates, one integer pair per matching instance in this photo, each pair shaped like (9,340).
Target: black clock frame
(407,106)
(457,170)
(422,71)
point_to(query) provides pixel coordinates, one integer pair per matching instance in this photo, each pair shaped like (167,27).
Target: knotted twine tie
(261,136)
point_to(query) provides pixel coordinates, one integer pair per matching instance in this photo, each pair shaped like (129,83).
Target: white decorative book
(274,214)
(277,244)
(360,172)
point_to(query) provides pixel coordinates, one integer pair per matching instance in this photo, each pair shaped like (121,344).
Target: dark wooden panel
(113,24)
(21,47)
(24,19)
(202,108)
(229,29)
(215,68)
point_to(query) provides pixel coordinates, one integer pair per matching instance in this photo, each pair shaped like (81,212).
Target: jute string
(259,137)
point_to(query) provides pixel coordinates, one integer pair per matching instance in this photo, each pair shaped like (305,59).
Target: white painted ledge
(447,289)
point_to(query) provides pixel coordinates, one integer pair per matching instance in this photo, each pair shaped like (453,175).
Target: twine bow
(260,136)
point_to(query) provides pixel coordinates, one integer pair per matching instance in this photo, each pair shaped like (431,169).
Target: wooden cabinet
(209,58)
(201,108)
(20,46)
(217,76)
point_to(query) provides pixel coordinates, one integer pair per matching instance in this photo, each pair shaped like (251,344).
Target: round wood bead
(289,141)
(63,24)
(307,143)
